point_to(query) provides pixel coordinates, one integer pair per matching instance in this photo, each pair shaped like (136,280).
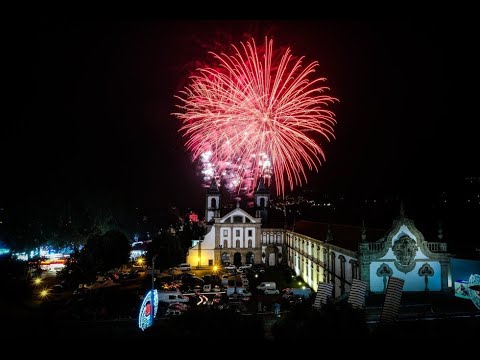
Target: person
(276,308)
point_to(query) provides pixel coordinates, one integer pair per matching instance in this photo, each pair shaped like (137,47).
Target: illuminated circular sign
(148,310)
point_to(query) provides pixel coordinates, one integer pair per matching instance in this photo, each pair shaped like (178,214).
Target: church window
(262,202)
(354,266)
(213,203)
(225,232)
(237,232)
(237,243)
(249,243)
(238,219)
(250,232)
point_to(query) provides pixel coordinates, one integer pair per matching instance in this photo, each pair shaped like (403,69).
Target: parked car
(184,267)
(271,292)
(267,285)
(219,299)
(178,306)
(173,312)
(225,279)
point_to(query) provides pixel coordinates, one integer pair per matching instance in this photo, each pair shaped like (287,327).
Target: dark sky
(90,104)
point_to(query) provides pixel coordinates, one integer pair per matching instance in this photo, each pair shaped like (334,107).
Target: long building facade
(326,254)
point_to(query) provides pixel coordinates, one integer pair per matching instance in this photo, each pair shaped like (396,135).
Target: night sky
(90,105)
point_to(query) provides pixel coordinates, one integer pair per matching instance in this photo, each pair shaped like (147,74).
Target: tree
(108,251)
(166,246)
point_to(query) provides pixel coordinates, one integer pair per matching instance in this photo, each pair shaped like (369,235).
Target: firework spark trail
(257,114)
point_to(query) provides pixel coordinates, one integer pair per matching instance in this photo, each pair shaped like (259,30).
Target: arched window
(332,267)
(262,202)
(354,266)
(213,203)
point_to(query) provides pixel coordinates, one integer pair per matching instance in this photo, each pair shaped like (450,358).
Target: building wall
(227,238)
(203,250)
(319,261)
(316,261)
(273,241)
(413,281)
(404,253)
(230,234)
(212,207)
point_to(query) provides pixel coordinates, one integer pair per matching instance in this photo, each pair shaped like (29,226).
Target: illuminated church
(321,252)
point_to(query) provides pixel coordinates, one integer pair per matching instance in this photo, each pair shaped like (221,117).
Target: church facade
(239,237)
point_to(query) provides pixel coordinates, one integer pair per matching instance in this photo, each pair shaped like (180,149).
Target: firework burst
(256,115)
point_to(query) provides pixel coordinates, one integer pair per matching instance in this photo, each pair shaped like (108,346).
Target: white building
(321,252)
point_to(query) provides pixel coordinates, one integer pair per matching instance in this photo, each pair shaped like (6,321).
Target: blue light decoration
(147,311)
(461,289)
(474,289)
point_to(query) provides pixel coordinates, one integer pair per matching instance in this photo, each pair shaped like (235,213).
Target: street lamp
(152,292)
(43,293)
(153,272)
(37,281)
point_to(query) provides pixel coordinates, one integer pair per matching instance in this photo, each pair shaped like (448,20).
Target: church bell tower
(212,205)
(262,201)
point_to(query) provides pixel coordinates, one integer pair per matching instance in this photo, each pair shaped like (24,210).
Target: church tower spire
(262,201)
(212,205)
(364,232)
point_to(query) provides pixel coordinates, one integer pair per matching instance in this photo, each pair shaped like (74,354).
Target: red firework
(257,114)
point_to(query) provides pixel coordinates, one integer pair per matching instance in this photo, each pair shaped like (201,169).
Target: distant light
(140,261)
(303,287)
(299,283)
(44,293)
(37,281)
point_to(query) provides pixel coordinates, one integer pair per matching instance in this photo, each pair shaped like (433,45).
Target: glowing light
(43,293)
(37,281)
(146,314)
(255,113)
(140,261)
(215,268)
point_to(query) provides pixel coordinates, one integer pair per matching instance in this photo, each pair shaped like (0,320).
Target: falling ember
(256,115)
